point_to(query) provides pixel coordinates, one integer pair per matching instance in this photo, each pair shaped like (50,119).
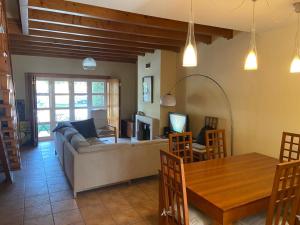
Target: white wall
(264,103)
(163,69)
(126,72)
(150,109)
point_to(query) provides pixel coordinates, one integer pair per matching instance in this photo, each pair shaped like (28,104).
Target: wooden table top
(233,181)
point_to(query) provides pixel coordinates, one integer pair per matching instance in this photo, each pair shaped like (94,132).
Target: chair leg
(161,220)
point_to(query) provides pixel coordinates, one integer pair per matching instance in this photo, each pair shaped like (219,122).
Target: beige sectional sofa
(92,164)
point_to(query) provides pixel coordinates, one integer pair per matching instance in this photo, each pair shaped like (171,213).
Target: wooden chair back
(180,144)
(174,189)
(215,144)
(290,147)
(284,201)
(210,121)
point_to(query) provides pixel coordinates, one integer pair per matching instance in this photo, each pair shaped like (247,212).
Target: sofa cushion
(103,147)
(69,132)
(78,141)
(94,141)
(86,128)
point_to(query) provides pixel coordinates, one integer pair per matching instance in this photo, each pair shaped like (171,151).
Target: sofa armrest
(70,157)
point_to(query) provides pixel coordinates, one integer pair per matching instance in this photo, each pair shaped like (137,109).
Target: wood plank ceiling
(66,29)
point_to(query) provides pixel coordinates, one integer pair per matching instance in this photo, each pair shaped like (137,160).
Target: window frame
(72,94)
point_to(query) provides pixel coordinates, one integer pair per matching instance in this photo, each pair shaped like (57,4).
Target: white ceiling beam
(24,16)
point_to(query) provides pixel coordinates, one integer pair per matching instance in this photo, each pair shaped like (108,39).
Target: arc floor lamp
(170,100)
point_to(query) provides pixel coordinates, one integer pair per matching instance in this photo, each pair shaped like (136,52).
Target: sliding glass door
(60,100)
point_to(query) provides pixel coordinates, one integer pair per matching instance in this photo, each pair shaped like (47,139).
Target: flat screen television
(178,122)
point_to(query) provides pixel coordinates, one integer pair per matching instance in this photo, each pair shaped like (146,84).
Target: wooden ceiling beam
(73,52)
(92,23)
(132,42)
(69,48)
(74,40)
(30,40)
(68,56)
(114,43)
(15,28)
(79,9)
(108,34)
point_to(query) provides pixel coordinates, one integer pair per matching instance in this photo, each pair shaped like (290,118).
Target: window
(98,98)
(66,100)
(43,108)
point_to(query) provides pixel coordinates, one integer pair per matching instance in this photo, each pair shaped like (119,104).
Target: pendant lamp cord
(253,31)
(191,12)
(253,16)
(297,44)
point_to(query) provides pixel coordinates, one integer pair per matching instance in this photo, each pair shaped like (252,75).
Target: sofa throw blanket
(61,125)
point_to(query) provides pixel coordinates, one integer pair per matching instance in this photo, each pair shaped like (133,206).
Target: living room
(92,91)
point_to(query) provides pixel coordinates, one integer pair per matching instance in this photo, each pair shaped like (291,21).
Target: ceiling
(76,30)
(119,30)
(232,14)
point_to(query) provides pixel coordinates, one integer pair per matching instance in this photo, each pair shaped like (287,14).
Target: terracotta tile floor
(41,196)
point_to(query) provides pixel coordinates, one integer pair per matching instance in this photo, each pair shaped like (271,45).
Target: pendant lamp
(295,65)
(190,49)
(251,58)
(89,63)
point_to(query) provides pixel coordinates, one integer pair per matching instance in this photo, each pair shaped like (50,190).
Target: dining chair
(210,123)
(290,147)
(180,144)
(215,144)
(175,207)
(284,200)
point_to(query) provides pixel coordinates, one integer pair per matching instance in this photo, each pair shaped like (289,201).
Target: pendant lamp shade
(190,49)
(295,64)
(89,64)
(251,58)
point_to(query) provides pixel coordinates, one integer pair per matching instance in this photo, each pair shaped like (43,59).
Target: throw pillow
(86,128)
(201,135)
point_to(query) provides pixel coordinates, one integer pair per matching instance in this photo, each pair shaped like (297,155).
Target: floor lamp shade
(168,100)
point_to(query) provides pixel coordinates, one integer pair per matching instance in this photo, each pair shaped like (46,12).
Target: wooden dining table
(231,188)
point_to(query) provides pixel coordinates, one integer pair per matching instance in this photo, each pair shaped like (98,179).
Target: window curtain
(113,103)
(30,84)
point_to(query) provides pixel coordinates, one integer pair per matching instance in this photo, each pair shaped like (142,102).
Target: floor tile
(11,220)
(126,217)
(88,199)
(64,205)
(94,212)
(38,211)
(41,196)
(61,196)
(37,200)
(67,217)
(58,187)
(45,220)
